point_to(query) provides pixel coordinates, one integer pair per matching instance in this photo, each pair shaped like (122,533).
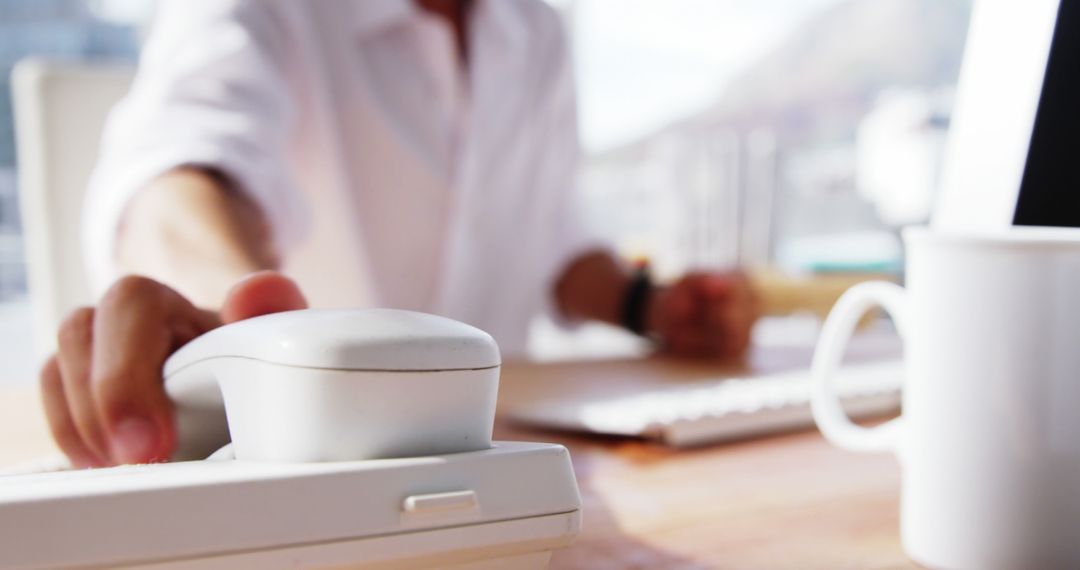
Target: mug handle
(835,334)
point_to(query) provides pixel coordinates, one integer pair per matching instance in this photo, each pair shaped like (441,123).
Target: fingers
(103,392)
(138,324)
(718,321)
(704,344)
(75,341)
(733,318)
(61,424)
(714,285)
(260,294)
(130,395)
(694,342)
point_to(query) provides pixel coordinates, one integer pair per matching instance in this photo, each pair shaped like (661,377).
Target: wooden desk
(787,501)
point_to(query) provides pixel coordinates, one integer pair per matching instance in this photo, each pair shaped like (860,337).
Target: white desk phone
(359,438)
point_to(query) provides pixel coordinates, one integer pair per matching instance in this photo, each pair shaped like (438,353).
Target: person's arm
(194,161)
(591,287)
(191,230)
(701,314)
(213,89)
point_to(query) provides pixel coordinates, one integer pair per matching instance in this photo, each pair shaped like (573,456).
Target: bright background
(792,134)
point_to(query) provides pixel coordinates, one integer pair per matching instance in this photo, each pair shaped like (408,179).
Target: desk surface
(788,501)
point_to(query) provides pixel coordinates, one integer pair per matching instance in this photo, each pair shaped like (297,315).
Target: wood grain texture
(789,501)
(786,501)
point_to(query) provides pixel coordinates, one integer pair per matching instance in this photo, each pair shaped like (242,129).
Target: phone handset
(335,385)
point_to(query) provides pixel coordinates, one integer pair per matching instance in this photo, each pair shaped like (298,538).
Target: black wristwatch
(635,303)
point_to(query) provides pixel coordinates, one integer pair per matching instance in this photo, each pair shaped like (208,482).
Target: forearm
(592,287)
(190,230)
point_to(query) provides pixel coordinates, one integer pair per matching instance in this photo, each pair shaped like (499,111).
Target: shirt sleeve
(211,90)
(570,236)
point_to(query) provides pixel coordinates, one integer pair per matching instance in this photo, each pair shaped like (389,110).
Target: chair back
(60,109)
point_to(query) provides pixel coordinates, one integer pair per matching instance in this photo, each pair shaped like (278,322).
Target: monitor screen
(1050,188)
(1008,157)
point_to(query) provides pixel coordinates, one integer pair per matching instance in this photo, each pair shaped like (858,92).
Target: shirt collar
(372,16)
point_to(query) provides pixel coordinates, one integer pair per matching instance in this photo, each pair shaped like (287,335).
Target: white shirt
(390,175)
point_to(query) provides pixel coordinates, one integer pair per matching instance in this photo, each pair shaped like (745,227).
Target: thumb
(261,293)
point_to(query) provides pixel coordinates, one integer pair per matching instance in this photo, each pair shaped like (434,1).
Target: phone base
(505,507)
(525,544)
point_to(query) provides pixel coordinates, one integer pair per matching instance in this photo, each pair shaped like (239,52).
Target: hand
(103,391)
(705,314)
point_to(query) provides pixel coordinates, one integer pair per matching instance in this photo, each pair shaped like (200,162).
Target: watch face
(1050,188)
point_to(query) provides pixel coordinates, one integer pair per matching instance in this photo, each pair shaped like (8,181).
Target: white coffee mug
(989,439)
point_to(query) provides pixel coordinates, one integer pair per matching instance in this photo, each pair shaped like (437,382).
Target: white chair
(60,109)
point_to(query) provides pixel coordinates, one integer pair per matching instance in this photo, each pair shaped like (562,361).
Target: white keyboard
(720,410)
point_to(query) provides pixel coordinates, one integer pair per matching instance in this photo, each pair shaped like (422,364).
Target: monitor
(1011,156)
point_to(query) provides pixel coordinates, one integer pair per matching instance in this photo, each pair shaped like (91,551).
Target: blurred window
(747,131)
(70,29)
(63,29)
